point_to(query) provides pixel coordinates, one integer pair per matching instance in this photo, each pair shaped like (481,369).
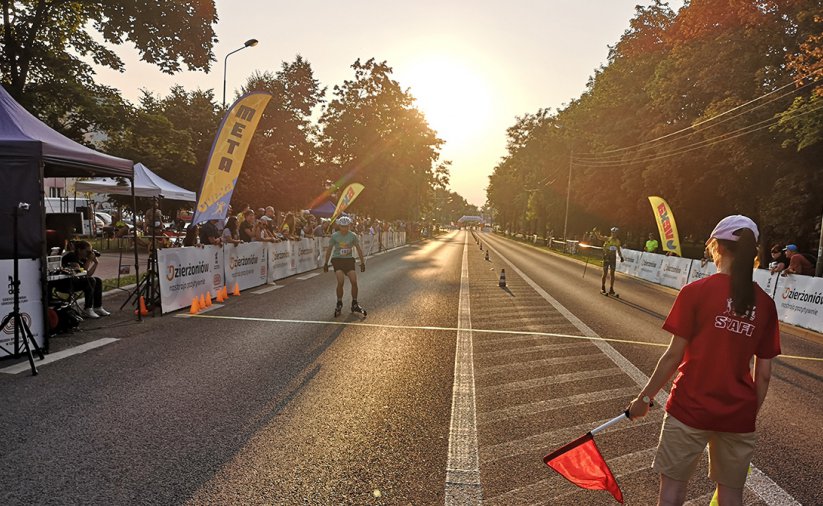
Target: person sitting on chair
(84,258)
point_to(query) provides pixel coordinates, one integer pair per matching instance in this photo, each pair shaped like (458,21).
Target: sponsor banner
(31,301)
(674,271)
(649,267)
(279,261)
(766,280)
(245,264)
(186,273)
(799,301)
(369,244)
(305,254)
(630,263)
(701,270)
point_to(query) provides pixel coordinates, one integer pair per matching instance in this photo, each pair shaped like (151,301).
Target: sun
(455,98)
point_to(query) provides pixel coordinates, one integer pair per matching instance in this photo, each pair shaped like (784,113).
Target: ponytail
(745,253)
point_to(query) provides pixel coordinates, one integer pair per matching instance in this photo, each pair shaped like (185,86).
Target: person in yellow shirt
(611,250)
(652,244)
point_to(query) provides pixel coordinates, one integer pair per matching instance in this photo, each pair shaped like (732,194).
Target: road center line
(462,467)
(763,486)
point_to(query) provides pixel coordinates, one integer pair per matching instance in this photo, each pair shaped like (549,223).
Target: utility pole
(568,195)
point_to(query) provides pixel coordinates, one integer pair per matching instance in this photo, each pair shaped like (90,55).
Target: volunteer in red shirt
(718,324)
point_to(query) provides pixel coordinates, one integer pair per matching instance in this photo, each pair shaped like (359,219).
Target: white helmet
(344,221)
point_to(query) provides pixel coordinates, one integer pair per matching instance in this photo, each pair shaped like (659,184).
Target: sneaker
(101,312)
(89,313)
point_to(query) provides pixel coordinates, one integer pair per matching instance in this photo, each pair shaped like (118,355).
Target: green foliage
(671,72)
(44,43)
(373,134)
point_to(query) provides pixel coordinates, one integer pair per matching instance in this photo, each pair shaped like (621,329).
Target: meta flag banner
(227,155)
(666,225)
(349,194)
(581,463)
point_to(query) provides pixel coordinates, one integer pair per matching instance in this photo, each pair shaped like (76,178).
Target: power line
(707,120)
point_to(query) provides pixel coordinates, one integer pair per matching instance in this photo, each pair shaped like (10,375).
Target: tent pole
(134,234)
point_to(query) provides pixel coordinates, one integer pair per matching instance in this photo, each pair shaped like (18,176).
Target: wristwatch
(646,399)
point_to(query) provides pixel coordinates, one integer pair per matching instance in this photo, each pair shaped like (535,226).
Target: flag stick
(618,418)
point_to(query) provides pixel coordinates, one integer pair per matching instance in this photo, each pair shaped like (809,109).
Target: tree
(47,45)
(373,134)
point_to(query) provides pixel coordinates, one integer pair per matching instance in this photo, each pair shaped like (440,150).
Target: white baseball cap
(726,228)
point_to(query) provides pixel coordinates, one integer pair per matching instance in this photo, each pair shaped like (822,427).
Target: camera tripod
(21,327)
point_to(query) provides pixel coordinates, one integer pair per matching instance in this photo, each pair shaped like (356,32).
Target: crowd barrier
(185,273)
(799,299)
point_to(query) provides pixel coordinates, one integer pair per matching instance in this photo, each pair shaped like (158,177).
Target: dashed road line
(537,348)
(462,467)
(533,408)
(557,379)
(307,276)
(267,289)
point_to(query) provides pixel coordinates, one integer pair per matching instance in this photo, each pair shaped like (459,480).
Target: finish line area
(449,329)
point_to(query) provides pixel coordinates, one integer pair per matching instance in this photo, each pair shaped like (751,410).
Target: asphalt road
(270,400)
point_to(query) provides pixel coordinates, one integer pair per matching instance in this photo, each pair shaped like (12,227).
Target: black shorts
(609,262)
(343,264)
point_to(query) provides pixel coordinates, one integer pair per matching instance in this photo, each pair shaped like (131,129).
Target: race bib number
(345,251)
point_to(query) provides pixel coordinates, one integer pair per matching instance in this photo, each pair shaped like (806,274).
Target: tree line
(715,107)
(307,146)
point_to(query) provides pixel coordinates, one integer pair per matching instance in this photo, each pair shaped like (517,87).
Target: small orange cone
(208,299)
(236,288)
(202,301)
(195,307)
(142,309)
(220,296)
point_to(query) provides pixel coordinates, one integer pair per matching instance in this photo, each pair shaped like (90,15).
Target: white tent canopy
(146,184)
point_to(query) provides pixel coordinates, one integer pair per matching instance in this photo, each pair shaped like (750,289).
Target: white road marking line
(536,348)
(307,276)
(533,408)
(54,357)
(206,310)
(268,289)
(539,363)
(462,467)
(514,386)
(763,486)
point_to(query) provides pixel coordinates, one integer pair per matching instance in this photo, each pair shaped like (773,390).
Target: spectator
(247,227)
(192,236)
(231,234)
(84,258)
(209,235)
(798,264)
(779,260)
(272,215)
(288,226)
(652,244)
(319,230)
(264,231)
(260,213)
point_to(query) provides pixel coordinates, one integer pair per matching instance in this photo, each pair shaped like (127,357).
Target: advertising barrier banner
(185,273)
(31,301)
(674,271)
(799,301)
(700,271)
(279,261)
(245,264)
(649,267)
(766,280)
(630,263)
(305,251)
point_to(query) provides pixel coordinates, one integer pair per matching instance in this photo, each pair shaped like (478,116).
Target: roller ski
(355,308)
(338,309)
(610,293)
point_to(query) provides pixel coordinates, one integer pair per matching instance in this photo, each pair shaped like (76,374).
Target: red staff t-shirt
(714,389)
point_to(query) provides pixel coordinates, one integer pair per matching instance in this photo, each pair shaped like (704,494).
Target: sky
(474,66)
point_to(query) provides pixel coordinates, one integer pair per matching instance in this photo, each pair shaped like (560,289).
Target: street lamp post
(248,43)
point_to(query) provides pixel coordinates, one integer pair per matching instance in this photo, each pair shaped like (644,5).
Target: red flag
(581,463)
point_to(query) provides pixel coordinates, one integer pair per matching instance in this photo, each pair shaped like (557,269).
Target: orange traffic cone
(195,306)
(220,296)
(236,288)
(208,299)
(142,307)
(502,283)
(225,292)
(202,301)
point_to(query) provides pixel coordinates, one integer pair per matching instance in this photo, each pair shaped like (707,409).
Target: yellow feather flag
(669,238)
(227,154)
(349,194)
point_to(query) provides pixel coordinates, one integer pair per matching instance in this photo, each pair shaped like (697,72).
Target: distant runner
(611,250)
(342,260)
